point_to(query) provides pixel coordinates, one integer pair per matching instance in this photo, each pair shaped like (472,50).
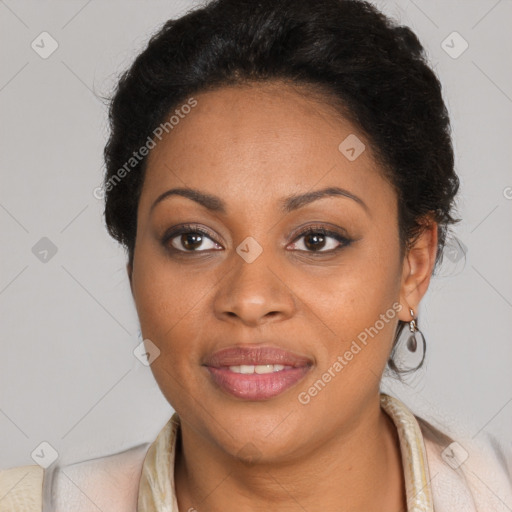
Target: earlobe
(417,270)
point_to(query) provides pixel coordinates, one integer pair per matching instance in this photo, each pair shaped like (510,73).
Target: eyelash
(192,229)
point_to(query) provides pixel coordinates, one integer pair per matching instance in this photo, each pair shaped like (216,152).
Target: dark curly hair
(342,52)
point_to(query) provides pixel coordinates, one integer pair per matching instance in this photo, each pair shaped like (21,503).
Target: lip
(238,355)
(256,386)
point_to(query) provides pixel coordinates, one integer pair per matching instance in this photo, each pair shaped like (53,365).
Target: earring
(409,349)
(415,336)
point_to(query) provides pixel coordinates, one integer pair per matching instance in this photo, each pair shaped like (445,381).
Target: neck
(357,471)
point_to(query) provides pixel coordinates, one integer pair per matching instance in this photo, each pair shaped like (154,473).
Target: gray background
(68,375)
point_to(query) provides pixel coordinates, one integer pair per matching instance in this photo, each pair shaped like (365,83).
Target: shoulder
(110,482)
(21,489)
(473,473)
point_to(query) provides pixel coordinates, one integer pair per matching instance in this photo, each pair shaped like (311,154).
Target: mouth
(256,373)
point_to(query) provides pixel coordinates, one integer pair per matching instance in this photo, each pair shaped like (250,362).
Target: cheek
(351,294)
(167,303)
(359,302)
(169,308)
(164,293)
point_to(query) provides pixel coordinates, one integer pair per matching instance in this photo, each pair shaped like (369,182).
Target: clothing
(441,475)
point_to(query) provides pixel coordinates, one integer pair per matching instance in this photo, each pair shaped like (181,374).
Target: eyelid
(186,228)
(321,228)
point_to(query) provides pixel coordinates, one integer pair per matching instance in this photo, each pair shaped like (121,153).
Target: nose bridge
(253,290)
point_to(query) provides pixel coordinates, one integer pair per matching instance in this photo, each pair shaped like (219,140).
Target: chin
(255,431)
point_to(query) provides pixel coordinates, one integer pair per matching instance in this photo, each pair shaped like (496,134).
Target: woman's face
(325,305)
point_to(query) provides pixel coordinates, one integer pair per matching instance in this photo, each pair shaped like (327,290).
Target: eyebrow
(287,204)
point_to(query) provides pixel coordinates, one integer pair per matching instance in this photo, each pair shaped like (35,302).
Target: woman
(281,175)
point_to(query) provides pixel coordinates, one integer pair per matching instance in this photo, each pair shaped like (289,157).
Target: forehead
(261,140)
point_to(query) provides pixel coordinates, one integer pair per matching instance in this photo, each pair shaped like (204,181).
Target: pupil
(317,238)
(191,240)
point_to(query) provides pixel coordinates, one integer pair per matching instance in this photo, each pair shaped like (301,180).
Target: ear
(417,270)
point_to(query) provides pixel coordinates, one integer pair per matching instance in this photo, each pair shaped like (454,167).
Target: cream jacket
(441,475)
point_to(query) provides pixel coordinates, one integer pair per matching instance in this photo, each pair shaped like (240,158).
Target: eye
(319,239)
(190,239)
(313,239)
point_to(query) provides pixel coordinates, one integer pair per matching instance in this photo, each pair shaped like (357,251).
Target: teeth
(259,368)
(264,368)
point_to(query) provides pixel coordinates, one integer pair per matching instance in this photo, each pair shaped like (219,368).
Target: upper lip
(260,355)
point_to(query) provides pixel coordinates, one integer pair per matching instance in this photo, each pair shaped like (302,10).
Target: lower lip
(256,386)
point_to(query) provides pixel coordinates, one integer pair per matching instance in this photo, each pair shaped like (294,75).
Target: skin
(251,147)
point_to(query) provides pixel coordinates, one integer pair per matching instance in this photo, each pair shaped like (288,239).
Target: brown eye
(315,241)
(193,241)
(189,239)
(320,240)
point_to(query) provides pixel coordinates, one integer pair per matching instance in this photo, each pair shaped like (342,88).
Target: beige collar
(157,492)
(414,455)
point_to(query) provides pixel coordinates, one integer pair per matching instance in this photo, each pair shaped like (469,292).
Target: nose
(254,293)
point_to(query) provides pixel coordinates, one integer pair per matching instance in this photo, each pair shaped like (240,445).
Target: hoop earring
(415,336)
(411,350)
